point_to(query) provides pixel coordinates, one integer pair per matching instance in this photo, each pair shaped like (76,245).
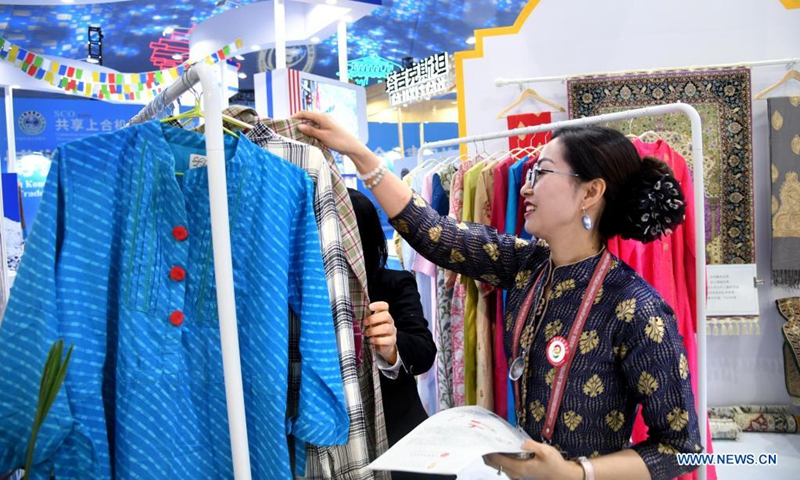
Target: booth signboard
(432,76)
(363,70)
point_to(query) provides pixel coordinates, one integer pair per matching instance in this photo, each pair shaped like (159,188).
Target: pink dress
(459,297)
(669,265)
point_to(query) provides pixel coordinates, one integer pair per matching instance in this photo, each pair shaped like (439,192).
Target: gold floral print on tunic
(537,410)
(615,420)
(626,309)
(550,377)
(552,329)
(562,288)
(593,387)
(666,449)
(492,250)
(572,420)
(621,351)
(456,256)
(678,419)
(589,341)
(648,384)
(462,226)
(418,201)
(435,233)
(599,296)
(520,243)
(684,367)
(401,226)
(522,278)
(490,278)
(655,329)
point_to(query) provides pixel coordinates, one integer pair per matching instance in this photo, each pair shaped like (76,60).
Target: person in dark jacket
(397,327)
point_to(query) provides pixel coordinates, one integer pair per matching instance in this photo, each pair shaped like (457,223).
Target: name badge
(557,349)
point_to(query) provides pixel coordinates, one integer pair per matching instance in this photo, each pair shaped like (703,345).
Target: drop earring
(586,220)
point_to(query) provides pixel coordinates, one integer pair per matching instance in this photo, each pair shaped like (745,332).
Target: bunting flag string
(102,85)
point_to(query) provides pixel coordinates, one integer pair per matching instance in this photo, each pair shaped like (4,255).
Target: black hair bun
(654,204)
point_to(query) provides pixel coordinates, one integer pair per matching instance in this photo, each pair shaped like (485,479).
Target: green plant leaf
(53,376)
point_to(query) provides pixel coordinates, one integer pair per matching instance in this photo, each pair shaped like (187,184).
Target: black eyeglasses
(537,169)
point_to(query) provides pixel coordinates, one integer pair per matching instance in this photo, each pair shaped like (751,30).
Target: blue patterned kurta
(144,397)
(630,351)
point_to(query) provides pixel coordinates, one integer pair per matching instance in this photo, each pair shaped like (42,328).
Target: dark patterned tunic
(630,352)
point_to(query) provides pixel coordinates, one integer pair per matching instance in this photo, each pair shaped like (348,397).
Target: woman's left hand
(546,464)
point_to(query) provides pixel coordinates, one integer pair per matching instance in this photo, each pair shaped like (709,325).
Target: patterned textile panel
(767,422)
(784,146)
(722,97)
(724,429)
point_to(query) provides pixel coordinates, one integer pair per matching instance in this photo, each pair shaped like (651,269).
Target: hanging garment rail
(700,220)
(221,239)
(499,82)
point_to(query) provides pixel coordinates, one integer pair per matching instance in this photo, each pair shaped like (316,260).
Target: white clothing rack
(499,82)
(699,220)
(221,239)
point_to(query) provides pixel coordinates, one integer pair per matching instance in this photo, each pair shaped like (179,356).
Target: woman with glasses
(588,341)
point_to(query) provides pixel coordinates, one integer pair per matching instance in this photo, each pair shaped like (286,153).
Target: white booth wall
(572,37)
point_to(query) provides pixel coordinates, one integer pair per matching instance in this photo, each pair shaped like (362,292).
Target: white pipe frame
(221,239)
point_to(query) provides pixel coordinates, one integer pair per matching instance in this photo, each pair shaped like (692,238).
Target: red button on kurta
(177,274)
(176,318)
(180,233)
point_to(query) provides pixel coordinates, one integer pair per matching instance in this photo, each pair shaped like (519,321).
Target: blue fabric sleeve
(322,414)
(59,294)
(514,181)
(439,199)
(28,329)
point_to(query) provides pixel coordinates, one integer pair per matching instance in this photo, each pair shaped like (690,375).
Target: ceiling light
(92,60)
(314,39)
(331,2)
(67,1)
(255,47)
(177,56)
(405,105)
(238,57)
(242,75)
(168,31)
(471,41)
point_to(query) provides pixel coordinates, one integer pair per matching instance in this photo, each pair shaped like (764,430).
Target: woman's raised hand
(325,129)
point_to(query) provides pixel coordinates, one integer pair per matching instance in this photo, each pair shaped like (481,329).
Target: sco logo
(301,57)
(31,123)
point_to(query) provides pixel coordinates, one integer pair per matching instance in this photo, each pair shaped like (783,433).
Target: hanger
(496,155)
(790,75)
(532,94)
(630,130)
(649,134)
(197,112)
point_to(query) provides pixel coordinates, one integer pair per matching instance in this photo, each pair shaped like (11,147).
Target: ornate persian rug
(789,309)
(767,422)
(784,146)
(722,97)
